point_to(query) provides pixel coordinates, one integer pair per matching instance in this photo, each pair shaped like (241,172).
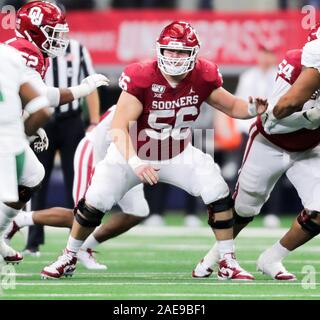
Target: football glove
(40,141)
(88,85)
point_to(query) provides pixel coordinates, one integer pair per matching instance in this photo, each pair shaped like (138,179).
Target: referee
(64,130)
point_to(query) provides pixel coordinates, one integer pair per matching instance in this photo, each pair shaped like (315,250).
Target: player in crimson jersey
(91,149)
(288,146)
(41,30)
(160,101)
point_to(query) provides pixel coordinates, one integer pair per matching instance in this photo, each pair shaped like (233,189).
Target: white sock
(90,243)
(277,252)
(24,219)
(6,216)
(212,257)
(74,245)
(225,246)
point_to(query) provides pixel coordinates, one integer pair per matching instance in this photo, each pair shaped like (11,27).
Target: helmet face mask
(43,24)
(176,66)
(177,36)
(56,41)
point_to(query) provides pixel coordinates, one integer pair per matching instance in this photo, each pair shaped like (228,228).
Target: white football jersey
(311,54)
(100,136)
(12,76)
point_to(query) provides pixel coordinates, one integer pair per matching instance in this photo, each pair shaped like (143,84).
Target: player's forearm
(36,120)
(93,107)
(286,106)
(66,96)
(122,140)
(58,96)
(301,91)
(294,122)
(240,109)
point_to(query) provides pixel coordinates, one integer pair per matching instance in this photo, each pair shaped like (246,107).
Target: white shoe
(63,267)
(192,221)
(275,269)
(87,258)
(8,254)
(202,270)
(229,269)
(155,220)
(28,252)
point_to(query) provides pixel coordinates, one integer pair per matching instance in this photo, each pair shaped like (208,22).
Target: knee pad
(304,219)
(241,220)
(25,193)
(220,206)
(86,216)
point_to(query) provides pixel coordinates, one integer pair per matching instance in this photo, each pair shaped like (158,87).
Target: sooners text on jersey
(163,129)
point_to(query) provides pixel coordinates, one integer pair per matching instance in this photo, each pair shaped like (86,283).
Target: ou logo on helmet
(36,16)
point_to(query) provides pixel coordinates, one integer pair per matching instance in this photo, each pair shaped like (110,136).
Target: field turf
(156,263)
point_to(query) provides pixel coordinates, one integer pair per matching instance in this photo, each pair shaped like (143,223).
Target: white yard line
(176,295)
(54,283)
(144,231)
(185,247)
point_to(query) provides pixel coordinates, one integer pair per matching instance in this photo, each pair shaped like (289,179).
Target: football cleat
(202,270)
(32,252)
(229,269)
(8,254)
(87,258)
(274,269)
(12,229)
(63,267)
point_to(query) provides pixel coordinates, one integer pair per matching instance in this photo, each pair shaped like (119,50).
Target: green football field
(156,263)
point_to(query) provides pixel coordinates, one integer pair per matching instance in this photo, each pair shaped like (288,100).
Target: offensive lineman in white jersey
(18,174)
(91,150)
(287,146)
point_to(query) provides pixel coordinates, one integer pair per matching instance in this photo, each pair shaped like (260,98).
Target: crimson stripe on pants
(252,135)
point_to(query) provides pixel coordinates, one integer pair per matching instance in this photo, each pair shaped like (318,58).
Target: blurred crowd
(180,4)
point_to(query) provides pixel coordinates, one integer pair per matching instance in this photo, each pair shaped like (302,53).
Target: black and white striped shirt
(68,71)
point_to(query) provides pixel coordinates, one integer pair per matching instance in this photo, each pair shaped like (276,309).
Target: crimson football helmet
(43,24)
(180,36)
(314,32)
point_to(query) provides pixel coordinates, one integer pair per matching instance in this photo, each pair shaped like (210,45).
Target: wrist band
(135,162)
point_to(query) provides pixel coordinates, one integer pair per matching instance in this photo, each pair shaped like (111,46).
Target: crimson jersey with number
(303,139)
(163,128)
(31,54)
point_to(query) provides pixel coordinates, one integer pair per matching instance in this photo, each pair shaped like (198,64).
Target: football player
(91,149)
(19,171)
(159,102)
(287,146)
(41,31)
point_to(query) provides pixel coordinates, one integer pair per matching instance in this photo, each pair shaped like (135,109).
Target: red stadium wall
(118,37)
